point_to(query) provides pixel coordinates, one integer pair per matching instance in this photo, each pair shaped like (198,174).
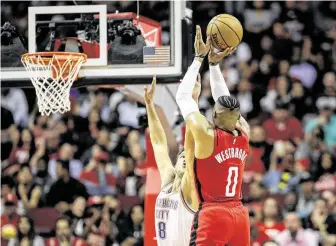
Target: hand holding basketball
(149,93)
(225,31)
(201,48)
(215,58)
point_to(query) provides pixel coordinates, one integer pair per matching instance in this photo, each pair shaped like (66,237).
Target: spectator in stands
(279,94)
(325,226)
(259,161)
(290,202)
(258,237)
(258,19)
(39,125)
(95,123)
(7,187)
(95,178)
(282,45)
(9,218)
(24,149)
(77,215)
(249,103)
(26,234)
(128,112)
(103,140)
(313,146)
(63,192)
(256,194)
(307,196)
(117,214)
(7,127)
(66,153)
(284,173)
(282,126)
(131,232)
(320,208)
(42,177)
(15,101)
(53,141)
(300,101)
(326,120)
(325,174)
(330,198)
(63,235)
(98,227)
(295,235)
(328,92)
(271,218)
(96,102)
(28,192)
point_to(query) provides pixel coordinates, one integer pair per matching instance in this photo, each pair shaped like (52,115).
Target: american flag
(156,55)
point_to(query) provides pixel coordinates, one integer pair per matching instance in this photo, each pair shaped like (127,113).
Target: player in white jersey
(177,201)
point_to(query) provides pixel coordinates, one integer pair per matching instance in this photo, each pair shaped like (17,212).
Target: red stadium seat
(44,218)
(127,202)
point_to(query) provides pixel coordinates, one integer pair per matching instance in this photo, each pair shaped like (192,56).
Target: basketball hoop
(52,74)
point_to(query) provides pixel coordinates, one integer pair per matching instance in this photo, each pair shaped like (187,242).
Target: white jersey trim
(185,203)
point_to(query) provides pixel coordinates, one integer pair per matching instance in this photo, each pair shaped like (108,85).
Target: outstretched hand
(149,93)
(201,48)
(217,57)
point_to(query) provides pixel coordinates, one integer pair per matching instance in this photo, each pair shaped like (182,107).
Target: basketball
(225,31)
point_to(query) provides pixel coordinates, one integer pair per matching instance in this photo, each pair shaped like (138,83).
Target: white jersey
(173,218)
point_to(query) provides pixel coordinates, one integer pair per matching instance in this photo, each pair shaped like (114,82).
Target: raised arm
(217,82)
(196,122)
(158,138)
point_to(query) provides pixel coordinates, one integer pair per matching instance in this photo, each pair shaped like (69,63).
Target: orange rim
(61,56)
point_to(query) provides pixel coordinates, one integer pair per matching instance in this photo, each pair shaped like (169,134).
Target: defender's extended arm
(158,139)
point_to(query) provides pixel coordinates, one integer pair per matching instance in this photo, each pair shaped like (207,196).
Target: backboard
(126,43)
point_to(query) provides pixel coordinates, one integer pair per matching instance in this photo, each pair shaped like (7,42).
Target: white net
(52,77)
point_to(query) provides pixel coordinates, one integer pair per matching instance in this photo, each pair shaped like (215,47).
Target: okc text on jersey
(231,153)
(167,204)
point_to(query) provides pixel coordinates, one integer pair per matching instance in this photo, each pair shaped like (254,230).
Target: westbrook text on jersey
(231,153)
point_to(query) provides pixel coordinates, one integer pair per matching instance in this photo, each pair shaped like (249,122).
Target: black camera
(128,33)
(8,33)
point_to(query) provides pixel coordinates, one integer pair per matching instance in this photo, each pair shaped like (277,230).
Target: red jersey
(219,177)
(271,231)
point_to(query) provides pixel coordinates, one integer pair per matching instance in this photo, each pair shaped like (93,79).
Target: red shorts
(221,224)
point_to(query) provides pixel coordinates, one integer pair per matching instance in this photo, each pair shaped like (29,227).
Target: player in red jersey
(221,151)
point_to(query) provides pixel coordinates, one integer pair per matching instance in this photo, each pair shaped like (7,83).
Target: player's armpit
(203,134)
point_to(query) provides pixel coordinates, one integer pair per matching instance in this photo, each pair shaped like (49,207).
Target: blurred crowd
(88,164)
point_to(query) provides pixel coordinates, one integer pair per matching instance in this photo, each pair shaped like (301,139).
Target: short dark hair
(64,163)
(229,102)
(7,180)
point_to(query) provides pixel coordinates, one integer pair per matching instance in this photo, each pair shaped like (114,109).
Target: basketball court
(79,45)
